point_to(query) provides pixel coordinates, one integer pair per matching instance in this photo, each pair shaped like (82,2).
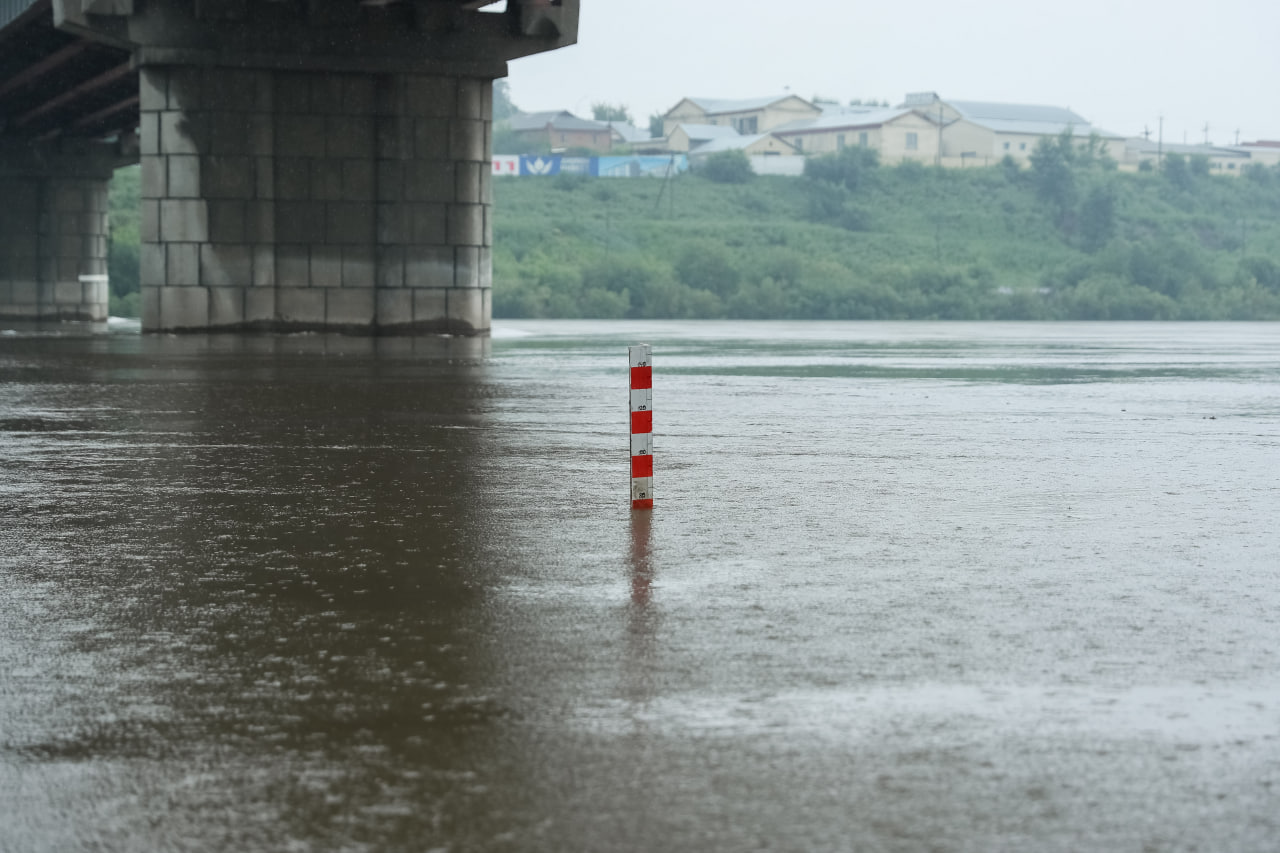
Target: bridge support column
(292,200)
(321,164)
(53,235)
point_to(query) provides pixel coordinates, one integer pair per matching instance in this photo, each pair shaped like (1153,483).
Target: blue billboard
(626,166)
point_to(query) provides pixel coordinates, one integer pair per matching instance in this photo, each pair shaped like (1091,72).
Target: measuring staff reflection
(640,668)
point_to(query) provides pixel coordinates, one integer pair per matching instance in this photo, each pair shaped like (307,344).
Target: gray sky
(1119,63)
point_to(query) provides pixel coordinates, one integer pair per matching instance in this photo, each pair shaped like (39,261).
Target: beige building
(1222,159)
(1263,152)
(982,133)
(896,133)
(747,117)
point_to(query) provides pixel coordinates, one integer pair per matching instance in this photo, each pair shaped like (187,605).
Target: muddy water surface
(907,587)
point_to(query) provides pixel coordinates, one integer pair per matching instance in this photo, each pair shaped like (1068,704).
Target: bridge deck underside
(53,84)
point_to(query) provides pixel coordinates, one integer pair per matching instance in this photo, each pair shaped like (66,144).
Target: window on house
(913,141)
(862,139)
(799,143)
(1022,146)
(839,141)
(746,125)
(1006,146)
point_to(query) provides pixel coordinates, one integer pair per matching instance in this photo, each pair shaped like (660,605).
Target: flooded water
(907,587)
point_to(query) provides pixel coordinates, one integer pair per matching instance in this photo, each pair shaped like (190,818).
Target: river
(907,587)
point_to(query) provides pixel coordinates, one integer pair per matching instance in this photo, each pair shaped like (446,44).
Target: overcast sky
(1121,64)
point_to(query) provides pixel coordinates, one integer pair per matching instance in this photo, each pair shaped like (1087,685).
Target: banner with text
(630,166)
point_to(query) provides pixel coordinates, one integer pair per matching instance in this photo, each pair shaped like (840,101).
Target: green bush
(727,167)
(851,168)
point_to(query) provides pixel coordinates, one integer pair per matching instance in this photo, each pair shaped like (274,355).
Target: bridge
(306,164)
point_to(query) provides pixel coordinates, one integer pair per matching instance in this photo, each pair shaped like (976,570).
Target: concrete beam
(336,34)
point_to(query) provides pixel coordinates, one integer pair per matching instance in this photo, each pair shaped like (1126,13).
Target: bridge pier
(313,164)
(293,200)
(53,232)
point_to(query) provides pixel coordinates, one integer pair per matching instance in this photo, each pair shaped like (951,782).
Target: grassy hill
(906,242)
(1069,238)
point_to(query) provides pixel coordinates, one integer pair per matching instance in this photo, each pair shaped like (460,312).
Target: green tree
(850,168)
(1052,175)
(728,167)
(503,107)
(1265,271)
(1177,172)
(602,111)
(709,266)
(1097,222)
(1108,297)
(1010,168)
(123,249)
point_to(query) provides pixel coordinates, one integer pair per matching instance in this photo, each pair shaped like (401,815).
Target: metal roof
(1141,145)
(851,119)
(715,106)
(988,110)
(1029,119)
(699,132)
(628,132)
(557,119)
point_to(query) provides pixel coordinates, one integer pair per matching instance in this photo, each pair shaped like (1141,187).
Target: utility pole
(1160,144)
(939,134)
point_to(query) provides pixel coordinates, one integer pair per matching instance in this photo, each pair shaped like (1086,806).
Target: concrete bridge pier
(295,200)
(53,231)
(318,165)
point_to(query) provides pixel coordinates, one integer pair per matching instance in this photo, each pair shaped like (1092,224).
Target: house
(1222,159)
(686,137)
(984,132)
(557,131)
(1264,152)
(897,133)
(754,145)
(747,117)
(625,133)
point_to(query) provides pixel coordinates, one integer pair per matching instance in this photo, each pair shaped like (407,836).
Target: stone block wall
(291,200)
(53,236)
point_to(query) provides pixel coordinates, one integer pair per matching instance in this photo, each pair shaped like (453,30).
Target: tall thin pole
(939,134)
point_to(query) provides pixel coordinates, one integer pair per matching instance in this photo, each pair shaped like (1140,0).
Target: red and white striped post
(641,358)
